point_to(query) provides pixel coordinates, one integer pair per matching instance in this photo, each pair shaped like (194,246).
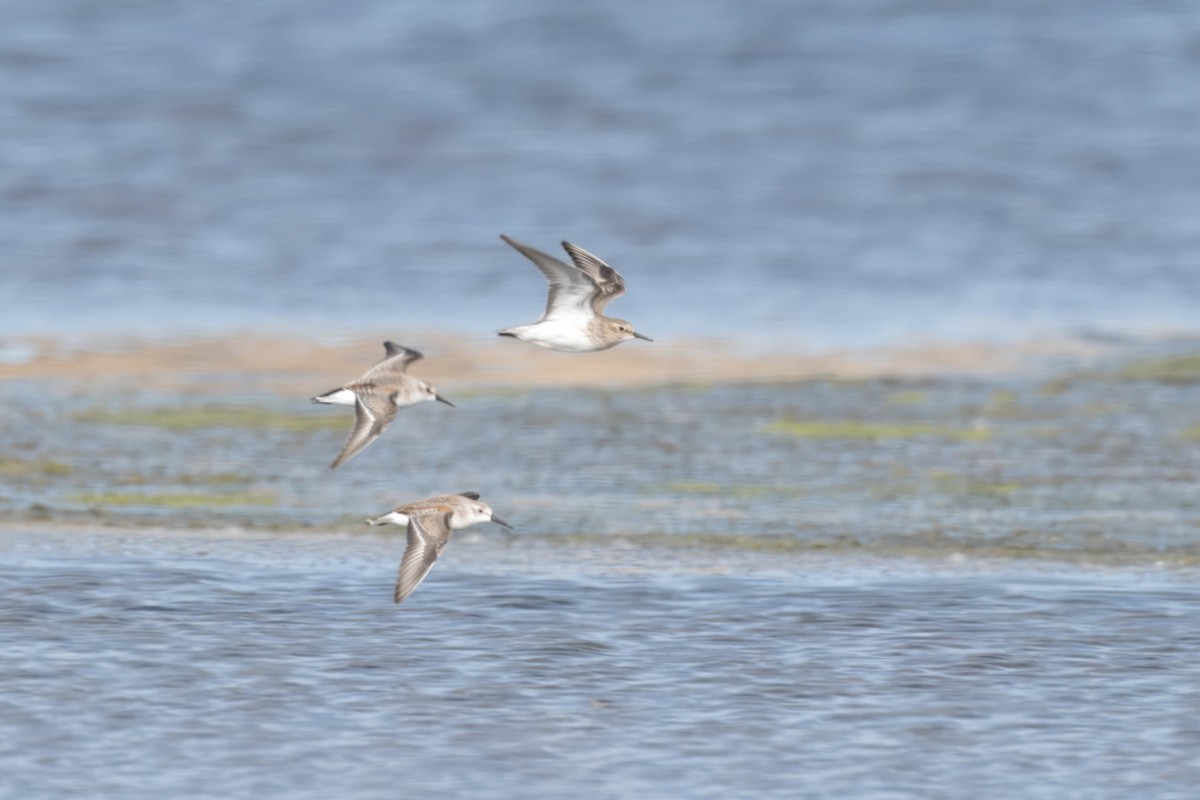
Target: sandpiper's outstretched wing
(397,360)
(373,412)
(427,535)
(609,283)
(571,290)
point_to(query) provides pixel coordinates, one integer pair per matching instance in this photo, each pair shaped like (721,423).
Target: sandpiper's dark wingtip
(392,349)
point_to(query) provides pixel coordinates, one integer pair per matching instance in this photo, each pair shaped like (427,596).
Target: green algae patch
(717,489)
(488,393)
(854,429)
(1002,398)
(1192,433)
(175,499)
(1003,403)
(1103,409)
(984,489)
(1162,369)
(214,479)
(907,398)
(761,543)
(954,484)
(1055,387)
(192,418)
(1020,545)
(714,541)
(37,468)
(693,487)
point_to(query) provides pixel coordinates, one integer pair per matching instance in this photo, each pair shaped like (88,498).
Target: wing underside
(372,415)
(571,290)
(427,535)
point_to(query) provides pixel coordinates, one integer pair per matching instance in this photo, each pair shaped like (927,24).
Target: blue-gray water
(189,664)
(815,172)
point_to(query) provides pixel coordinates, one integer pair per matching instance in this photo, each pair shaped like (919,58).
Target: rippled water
(189,664)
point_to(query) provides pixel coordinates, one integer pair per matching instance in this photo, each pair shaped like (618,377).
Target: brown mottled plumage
(430,522)
(377,396)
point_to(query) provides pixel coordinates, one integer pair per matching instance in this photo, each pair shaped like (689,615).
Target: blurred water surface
(783,173)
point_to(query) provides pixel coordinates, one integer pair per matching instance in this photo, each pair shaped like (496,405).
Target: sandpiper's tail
(337,397)
(390,518)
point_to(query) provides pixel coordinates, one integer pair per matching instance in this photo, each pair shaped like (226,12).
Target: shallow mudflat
(1096,461)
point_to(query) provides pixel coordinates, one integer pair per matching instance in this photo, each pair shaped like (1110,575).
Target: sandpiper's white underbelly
(568,336)
(400,518)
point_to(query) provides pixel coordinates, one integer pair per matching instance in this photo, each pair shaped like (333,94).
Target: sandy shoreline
(290,364)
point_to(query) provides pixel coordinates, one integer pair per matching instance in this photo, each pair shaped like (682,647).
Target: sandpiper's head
(624,330)
(430,393)
(477,511)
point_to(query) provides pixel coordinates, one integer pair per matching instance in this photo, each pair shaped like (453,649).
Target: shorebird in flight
(377,396)
(430,523)
(574,320)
